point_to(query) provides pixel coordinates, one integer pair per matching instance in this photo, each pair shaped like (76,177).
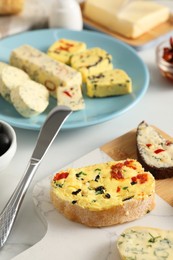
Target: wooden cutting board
(125,147)
(146,40)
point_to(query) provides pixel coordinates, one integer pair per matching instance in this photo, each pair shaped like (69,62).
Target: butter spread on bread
(104,194)
(154,151)
(131,20)
(63,49)
(109,83)
(145,243)
(91,61)
(43,69)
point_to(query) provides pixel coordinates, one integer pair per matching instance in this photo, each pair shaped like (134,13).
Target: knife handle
(46,136)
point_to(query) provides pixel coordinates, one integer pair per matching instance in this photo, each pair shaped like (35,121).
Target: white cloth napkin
(34,15)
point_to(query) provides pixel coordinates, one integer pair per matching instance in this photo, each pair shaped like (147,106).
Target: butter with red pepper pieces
(102,186)
(63,49)
(53,74)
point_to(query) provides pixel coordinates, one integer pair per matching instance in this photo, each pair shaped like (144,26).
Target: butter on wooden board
(130,20)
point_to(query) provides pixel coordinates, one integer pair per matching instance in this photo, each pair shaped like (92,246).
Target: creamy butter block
(30,98)
(132,20)
(63,49)
(43,69)
(109,83)
(91,61)
(11,78)
(145,243)
(104,194)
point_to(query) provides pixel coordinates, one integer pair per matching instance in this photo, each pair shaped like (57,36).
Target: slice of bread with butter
(104,194)
(131,19)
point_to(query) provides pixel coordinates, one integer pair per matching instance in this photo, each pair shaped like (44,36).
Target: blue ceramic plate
(97,110)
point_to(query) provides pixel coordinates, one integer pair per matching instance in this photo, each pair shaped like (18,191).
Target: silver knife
(47,134)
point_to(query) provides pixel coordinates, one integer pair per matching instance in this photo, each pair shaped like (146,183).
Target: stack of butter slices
(104,194)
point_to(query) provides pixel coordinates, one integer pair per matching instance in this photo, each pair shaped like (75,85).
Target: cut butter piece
(109,83)
(11,78)
(131,20)
(30,98)
(91,61)
(145,243)
(63,49)
(71,97)
(43,69)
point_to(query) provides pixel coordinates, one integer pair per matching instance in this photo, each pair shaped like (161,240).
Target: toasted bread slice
(154,152)
(104,194)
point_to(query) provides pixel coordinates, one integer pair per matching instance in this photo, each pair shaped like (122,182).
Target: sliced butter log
(11,78)
(145,243)
(43,69)
(30,98)
(109,83)
(104,194)
(154,151)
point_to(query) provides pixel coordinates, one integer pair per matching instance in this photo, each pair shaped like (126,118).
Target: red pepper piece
(129,163)
(159,151)
(59,176)
(116,171)
(168,142)
(143,177)
(67,93)
(118,189)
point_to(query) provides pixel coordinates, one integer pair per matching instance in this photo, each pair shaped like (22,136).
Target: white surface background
(156,108)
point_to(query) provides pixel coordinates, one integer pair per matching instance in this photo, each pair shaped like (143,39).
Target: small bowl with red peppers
(164,57)
(8,144)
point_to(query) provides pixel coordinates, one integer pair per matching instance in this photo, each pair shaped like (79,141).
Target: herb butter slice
(145,243)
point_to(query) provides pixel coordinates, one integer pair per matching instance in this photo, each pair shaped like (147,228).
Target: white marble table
(155,108)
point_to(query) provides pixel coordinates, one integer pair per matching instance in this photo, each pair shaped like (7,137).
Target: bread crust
(130,210)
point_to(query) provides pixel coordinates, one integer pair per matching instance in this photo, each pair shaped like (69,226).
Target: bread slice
(154,152)
(145,243)
(104,194)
